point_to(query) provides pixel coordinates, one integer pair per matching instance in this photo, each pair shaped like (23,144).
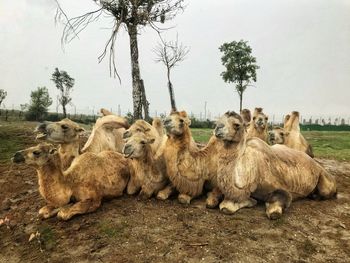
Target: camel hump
(158,125)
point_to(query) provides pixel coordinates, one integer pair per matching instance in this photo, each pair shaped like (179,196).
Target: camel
(258,125)
(290,135)
(90,178)
(187,166)
(148,173)
(249,168)
(246,116)
(106,134)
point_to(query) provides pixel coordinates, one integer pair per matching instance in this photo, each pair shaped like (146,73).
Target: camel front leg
(145,193)
(133,187)
(166,192)
(214,198)
(82,207)
(229,207)
(48,211)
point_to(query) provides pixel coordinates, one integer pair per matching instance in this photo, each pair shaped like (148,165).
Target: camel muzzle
(18,158)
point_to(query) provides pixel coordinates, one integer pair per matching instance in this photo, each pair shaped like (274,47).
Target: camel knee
(230,207)
(277,202)
(326,187)
(214,198)
(184,199)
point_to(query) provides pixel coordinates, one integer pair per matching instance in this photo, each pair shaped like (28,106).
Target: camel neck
(51,172)
(71,148)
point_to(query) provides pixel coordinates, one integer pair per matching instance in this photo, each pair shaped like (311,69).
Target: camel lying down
(90,178)
(249,168)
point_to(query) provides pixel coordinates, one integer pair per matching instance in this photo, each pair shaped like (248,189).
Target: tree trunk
(240,101)
(171,93)
(145,103)
(135,72)
(64,111)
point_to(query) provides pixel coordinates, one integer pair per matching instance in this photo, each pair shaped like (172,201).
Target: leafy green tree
(64,83)
(39,104)
(3,95)
(240,66)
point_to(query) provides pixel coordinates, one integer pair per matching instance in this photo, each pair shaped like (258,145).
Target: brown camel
(187,166)
(90,178)
(275,174)
(258,125)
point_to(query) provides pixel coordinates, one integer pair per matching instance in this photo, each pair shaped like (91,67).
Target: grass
(325,144)
(16,136)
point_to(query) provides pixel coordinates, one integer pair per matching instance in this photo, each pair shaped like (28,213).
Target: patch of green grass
(329,144)
(113,230)
(325,144)
(14,136)
(47,237)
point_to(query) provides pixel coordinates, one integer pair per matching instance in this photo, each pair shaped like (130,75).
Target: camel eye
(138,130)
(181,120)
(254,118)
(236,125)
(143,142)
(64,127)
(266,118)
(281,133)
(36,153)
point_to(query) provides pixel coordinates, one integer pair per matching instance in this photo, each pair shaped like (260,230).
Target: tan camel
(90,178)
(258,125)
(187,166)
(106,135)
(275,174)
(148,174)
(290,135)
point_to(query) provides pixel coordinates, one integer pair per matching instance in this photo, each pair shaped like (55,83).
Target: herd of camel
(243,162)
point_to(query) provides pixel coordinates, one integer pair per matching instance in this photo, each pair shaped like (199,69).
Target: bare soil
(128,230)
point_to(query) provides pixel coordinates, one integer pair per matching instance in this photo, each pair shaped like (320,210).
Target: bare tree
(132,14)
(3,95)
(170,53)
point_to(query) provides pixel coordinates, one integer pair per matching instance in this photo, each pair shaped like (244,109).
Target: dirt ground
(128,230)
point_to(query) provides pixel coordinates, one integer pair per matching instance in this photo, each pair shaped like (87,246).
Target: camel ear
(189,122)
(183,113)
(286,133)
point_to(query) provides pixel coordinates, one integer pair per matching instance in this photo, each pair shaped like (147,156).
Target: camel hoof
(212,205)
(274,215)
(227,211)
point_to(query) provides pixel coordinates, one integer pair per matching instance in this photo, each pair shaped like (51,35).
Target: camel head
(259,119)
(64,131)
(36,156)
(137,145)
(277,136)
(229,127)
(291,121)
(137,126)
(177,123)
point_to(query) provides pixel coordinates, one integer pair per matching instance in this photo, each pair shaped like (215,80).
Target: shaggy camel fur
(90,178)
(106,135)
(187,166)
(275,174)
(258,125)
(147,173)
(246,116)
(290,135)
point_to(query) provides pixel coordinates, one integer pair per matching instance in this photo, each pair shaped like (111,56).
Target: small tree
(39,104)
(3,95)
(170,54)
(64,83)
(240,66)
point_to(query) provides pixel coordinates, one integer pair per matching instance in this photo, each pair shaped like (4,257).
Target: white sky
(301,46)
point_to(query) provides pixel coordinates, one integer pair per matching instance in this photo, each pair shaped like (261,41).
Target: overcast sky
(301,46)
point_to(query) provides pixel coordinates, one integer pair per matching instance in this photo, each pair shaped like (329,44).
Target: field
(128,230)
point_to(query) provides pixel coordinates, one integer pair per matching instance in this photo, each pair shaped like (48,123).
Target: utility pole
(205,110)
